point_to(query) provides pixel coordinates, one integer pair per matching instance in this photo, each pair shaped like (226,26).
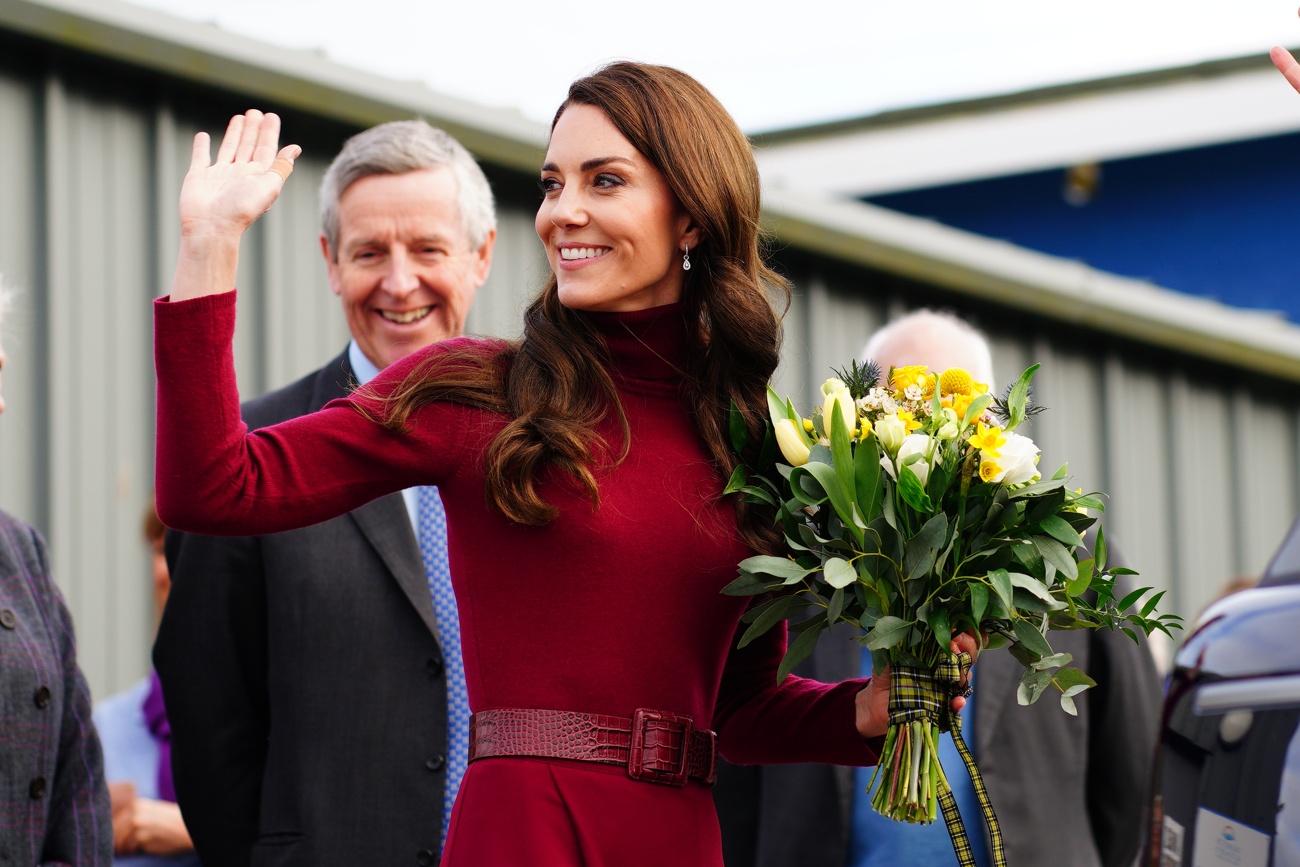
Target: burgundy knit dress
(602,611)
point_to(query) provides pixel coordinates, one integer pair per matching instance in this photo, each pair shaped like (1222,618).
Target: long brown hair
(554,384)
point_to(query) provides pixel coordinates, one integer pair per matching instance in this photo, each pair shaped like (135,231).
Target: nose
(567,208)
(400,278)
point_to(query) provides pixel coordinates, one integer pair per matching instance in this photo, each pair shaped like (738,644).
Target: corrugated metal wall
(91,159)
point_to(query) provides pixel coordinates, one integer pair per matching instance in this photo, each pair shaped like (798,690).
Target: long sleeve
(801,720)
(215,477)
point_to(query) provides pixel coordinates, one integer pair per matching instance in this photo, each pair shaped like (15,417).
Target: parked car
(1227,774)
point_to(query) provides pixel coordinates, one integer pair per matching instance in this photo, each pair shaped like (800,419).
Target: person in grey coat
(54,807)
(1069,791)
(303,672)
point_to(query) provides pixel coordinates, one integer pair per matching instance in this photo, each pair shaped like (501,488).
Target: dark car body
(1227,775)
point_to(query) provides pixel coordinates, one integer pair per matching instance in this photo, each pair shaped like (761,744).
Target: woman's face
(614,232)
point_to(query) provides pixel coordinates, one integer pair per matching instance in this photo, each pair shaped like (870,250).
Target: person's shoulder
(21,538)
(302,396)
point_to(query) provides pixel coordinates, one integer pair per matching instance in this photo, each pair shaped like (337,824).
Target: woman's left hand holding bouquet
(220,199)
(873,702)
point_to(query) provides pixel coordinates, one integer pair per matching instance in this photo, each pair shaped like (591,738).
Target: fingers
(1286,64)
(201,152)
(248,135)
(283,165)
(230,141)
(268,139)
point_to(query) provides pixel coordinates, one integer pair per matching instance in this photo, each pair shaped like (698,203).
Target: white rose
(913,444)
(1018,458)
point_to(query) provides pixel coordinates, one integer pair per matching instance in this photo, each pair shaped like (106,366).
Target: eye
(549,185)
(607,181)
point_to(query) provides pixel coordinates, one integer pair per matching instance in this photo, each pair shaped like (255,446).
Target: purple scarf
(155,717)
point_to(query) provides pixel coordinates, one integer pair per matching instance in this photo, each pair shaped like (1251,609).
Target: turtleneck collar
(649,344)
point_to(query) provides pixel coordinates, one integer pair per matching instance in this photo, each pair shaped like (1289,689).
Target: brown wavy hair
(554,384)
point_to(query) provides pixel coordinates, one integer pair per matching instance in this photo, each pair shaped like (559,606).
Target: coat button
(426,858)
(436,763)
(43,697)
(37,788)
(8,619)
(434,666)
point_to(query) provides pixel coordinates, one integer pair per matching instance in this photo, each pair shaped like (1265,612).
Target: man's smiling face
(404,269)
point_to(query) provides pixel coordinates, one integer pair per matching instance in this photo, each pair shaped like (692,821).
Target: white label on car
(1225,842)
(1171,844)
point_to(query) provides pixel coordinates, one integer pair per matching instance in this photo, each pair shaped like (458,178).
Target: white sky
(773,64)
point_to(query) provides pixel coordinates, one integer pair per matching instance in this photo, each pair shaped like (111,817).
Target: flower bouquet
(914,511)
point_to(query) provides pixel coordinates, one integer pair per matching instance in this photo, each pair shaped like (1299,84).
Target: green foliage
(913,563)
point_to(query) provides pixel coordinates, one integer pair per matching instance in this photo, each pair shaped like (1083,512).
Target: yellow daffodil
(988,439)
(909,421)
(961,403)
(989,471)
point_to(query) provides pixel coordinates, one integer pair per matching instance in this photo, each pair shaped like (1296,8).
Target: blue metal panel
(1215,221)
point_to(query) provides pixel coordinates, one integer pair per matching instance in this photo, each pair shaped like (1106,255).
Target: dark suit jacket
(303,682)
(1068,791)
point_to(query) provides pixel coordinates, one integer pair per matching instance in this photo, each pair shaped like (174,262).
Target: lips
(405,317)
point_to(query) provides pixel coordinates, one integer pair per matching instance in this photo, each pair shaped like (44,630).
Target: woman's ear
(690,238)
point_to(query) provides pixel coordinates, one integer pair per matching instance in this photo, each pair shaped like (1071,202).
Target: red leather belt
(654,746)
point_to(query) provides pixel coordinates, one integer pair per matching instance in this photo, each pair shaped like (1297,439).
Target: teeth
(406,318)
(581,252)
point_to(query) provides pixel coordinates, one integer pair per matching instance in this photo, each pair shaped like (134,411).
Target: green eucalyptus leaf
(1054,661)
(1001,581)
(830,482)
(1058,555)
(1032,685)
(749,585)
(1150,604)
(921,549)
(1060,530)
(1037,489)
(979,601)
(799,650)
(889,632)
(1080,583)
(778,567)
(938,621)
(835,607)
(768,615)
(1099,550)
(1037,589)
(1127,602)
(1028,555)
(1033,640)
(839,573)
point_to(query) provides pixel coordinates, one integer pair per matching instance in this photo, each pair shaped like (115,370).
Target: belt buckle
(668,724)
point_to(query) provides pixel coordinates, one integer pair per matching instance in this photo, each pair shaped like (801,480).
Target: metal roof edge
(1062,289)
(299,79)
(1015,99)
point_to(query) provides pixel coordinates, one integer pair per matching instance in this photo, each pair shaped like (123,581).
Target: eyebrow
(591,164)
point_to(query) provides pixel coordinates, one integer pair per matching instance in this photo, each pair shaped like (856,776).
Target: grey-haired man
(303,674)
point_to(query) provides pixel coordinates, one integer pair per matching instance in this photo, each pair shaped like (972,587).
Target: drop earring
(686,259)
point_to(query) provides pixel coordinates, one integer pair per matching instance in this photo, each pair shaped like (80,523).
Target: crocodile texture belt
(654,746)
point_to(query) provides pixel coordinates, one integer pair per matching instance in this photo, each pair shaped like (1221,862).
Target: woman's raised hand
(220,199)
(245,180)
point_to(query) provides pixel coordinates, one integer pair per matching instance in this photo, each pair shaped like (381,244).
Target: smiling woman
(580,468)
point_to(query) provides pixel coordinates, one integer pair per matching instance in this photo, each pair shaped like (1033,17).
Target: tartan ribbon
(927,694)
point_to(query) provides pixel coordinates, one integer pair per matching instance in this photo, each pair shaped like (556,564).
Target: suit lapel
(384,522)
(387,526)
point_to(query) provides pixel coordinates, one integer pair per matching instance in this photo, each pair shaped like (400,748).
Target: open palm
(225,196)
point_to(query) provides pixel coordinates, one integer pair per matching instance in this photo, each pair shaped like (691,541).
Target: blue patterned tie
(433,551)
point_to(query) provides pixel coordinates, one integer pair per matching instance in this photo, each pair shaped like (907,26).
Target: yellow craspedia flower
(913,374)
(956,381)
(909,421)
(989,470)
(987,439)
